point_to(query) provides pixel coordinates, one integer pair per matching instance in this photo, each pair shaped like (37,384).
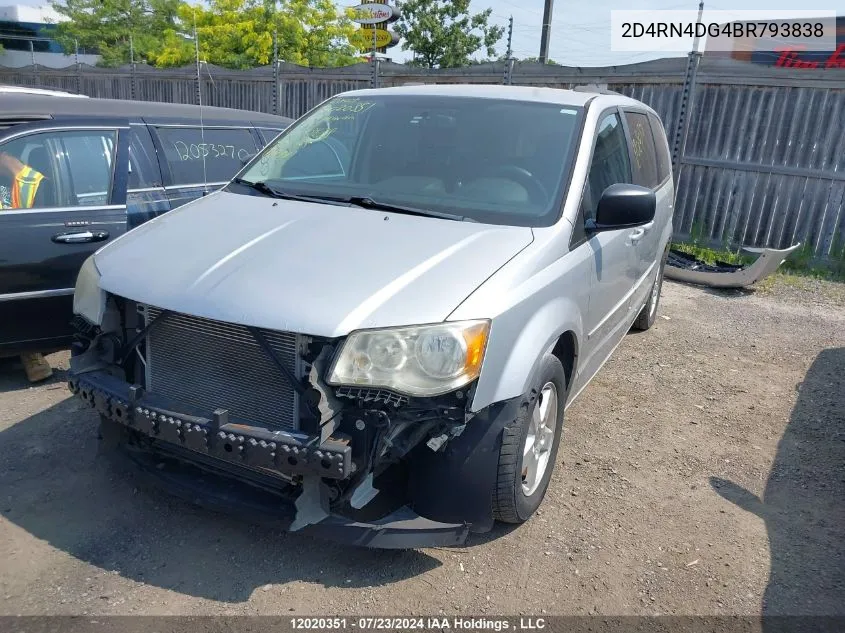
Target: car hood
(304,267)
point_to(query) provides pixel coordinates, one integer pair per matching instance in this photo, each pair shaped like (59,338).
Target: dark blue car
(76,173)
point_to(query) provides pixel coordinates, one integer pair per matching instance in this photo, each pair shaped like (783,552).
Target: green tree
(239,34)
(443,33)
(232,33)
(536,60)
(113,26)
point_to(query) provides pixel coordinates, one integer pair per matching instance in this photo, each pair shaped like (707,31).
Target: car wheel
(529,447)
(648,314)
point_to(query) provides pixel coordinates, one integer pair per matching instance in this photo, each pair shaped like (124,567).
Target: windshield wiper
(269,190)
(368,203)
(365,202)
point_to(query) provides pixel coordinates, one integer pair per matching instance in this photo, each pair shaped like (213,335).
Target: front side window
(491,160)
(57,169)
(610,164)
(210,155)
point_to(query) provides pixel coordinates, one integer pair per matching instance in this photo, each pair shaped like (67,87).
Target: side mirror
(623,206)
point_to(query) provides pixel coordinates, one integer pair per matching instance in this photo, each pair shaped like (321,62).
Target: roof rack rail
(33,90)
(597,88)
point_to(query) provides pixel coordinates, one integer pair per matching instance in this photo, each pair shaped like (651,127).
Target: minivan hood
(312,268)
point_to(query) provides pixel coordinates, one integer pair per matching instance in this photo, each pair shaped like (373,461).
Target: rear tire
(529,447)
(648,315)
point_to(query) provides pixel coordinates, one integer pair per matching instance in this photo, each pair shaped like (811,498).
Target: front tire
(529,447)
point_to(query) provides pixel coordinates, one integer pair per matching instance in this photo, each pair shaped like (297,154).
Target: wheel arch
(566,351)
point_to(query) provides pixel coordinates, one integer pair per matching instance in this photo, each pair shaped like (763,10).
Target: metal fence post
(509,56)
(34,63)
(199,74)
(275,73)
(684,115)
(132,88)
(687,102)
(78,68)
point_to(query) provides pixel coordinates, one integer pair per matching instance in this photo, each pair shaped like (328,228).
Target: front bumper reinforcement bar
(258,447)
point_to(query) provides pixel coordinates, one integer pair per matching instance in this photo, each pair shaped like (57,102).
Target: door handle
(80,237)
(636,235)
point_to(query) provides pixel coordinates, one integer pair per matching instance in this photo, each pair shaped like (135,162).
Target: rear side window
(143,163)
(90,159)
(268,134)
(210,155)
(643,156)
(664,160)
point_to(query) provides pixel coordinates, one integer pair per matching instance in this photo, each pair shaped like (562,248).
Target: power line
(520,7)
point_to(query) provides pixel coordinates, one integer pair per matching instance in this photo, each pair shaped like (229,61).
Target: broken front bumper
(684,267)
(402,529)
(276,452)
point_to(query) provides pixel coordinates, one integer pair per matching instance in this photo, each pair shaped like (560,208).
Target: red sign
(791,58)
(766,52)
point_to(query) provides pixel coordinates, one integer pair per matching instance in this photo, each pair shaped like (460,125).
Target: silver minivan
(372,333)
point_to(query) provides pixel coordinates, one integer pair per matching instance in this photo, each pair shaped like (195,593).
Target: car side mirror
(623,206)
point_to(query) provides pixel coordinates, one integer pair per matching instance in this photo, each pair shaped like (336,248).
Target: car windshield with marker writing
(459,158)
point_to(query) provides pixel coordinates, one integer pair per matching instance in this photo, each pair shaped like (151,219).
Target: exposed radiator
(208,365)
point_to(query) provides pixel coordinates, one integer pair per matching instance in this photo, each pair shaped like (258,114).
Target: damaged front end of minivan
(204,405)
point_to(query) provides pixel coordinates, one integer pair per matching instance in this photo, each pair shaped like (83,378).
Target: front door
(614,256)
(646,172)
(79,205)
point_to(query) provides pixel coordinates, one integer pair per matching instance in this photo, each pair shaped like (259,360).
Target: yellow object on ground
(36,366)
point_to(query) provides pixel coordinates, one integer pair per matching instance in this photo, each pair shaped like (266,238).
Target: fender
(529,314)
(516,348)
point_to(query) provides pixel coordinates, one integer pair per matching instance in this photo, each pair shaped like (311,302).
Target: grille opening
(203,365)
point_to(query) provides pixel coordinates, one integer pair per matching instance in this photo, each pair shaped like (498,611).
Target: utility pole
(509,55)
(547,31)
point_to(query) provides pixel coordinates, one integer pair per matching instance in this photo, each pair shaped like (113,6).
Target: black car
(107,166)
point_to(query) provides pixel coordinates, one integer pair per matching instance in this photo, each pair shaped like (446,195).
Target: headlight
(88,299)
(425,360)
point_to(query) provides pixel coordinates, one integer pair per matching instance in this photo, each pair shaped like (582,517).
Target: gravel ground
(700,473)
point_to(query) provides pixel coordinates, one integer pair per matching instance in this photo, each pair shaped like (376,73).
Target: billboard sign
(373,13)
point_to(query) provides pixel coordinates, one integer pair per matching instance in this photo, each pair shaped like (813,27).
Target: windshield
(489,160)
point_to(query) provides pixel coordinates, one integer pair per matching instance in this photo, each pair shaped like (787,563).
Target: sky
(581,30)
(580,34)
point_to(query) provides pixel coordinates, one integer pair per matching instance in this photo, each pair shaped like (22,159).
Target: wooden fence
(763,160)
